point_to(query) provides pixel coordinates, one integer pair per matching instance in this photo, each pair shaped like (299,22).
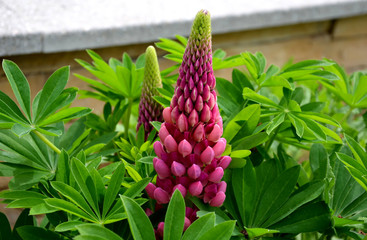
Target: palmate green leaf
(74,196)
(308,64)
(136,188)
(140,225)
(65,115)
(222,231)
(304,195)
(95,231)
(348,196)
(240,80)
(19,85)
(319,161)
(250,141)
(297,123)
(358,152)
(229,91)
(257,232)
(65,98)
(275,122)
(52,89)
(253,96)
(309,218)
(10,110)
(85,183)
(70,208)
(314,127)
(21,129)
(175,217)
(113,188)
(37,233)
(199,227)
(244,185)
(249,115)
(25,203)
(276,81)
(67,226)
(20,194)
(275,195)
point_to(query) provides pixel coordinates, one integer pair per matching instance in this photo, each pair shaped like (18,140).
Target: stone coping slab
(47,26)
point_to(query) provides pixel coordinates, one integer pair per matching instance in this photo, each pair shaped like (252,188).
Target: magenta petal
(219,147)
(170,144)
(182,123)
(180,188)
(161,196)
(195,188)
(184,148)
(167,115)
(160,228)
(224,162)
(187,223)
(150,189)
(222,186)
(193,118)
(218,200)
(207,155)
(175,113)
(206,114)
(163,132)
(215,134)
(161,168)
(194,171)
(198,134)
(178,169)
(158,149)
(216,175)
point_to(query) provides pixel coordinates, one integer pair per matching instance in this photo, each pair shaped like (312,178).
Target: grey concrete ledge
(46,26)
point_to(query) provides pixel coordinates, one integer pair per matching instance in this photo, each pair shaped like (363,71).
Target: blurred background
(42,36)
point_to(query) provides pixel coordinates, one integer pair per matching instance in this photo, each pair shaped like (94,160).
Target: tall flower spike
(149,109)
(190,144)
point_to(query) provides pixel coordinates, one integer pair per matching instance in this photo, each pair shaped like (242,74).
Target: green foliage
(296,135)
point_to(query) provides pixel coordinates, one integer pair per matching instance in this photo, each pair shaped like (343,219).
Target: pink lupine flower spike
(190,147)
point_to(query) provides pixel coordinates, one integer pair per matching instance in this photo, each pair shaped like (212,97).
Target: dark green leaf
(52,89)
(20,86)
(275,195)
(140,225)
(113,188)
(37,233)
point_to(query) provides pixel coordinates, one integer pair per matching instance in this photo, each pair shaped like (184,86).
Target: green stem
(45,140)
(127,119)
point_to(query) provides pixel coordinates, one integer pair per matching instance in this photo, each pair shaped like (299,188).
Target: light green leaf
(222,231)
(251,95)
(257,232)
(95,230)
(175,217)
(199,227)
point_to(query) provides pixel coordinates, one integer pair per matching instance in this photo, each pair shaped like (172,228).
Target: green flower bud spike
(149,109)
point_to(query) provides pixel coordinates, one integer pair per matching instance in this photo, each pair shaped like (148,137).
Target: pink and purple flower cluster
(189,153)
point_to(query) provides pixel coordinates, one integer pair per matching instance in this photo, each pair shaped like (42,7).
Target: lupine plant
(275,152)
